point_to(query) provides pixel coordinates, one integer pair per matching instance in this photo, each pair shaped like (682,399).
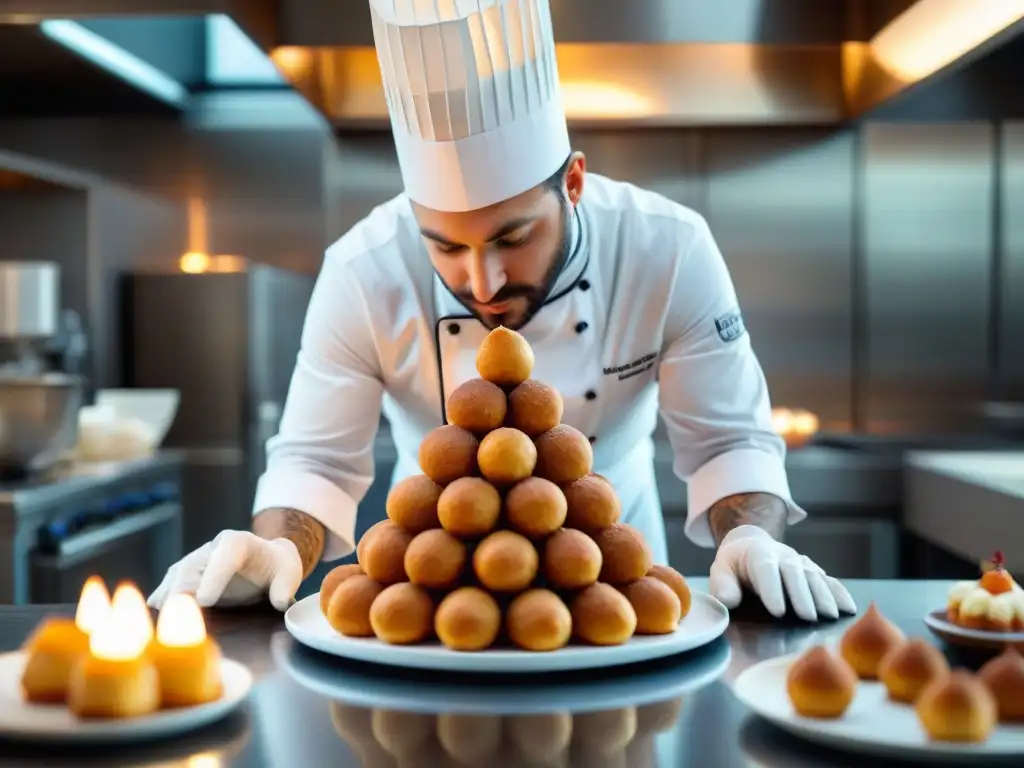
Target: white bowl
(155,407)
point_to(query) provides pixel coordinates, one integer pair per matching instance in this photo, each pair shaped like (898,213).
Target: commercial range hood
(638,62)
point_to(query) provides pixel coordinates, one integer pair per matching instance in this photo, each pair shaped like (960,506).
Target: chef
(622,294)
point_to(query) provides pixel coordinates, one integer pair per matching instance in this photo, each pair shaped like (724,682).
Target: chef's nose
(486,276)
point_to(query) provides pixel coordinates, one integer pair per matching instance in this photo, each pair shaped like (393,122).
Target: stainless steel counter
(311,710)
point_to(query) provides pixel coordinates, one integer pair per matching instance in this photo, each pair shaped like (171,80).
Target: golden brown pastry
(656,605)
(564,455)
(187,660)
(538,620)
(1004,677)
(348,610)
(103,688)
(592,504)
(820,684)
(504,358)
(868,640)
(402,614)
(601,615)
(535,507)
(534,407)
(625,556)
(675,581)
(333,580)
(540,738)
(53,650)
(908,668)
(571,559)
(957,707)
(381,552)
(435,559)
(448,453)
(469,508)
(506,456)
(477,406)
(468,619)
(412,504)
(505,562)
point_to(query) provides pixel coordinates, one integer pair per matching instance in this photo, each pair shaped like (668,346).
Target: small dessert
(592,504)
(381,552)
(541,738)
(187,659)
(868,640)
(908,668)
(333,580)
(57,644)
(820,684)
(571,559)
(995,602)
(534,407)
(564,455)
(1004,677)
(435,559)
(538,620)
(412,504)
(656,605)
(535,507)
(506,456)
(477,406)
(348,610)
(468,619)
(504,358)
(469,508)
(448,453)
(470,739)
(505,562)
(625,555)
(675,581)
(117,678)
(402,614)
(957,707)
(601,615)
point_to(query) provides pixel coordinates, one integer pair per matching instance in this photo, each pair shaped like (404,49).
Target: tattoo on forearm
(307,534)
(760,509)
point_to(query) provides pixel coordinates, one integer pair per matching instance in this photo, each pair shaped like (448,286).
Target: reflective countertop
(309,710)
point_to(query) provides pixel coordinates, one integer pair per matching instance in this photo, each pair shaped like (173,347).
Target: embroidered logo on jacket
(730,325)
(631,369)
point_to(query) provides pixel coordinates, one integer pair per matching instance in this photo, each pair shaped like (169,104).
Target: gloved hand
(749,556)
(236,568)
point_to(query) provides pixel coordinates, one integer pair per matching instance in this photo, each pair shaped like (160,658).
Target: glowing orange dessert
(187,659)
(995,602)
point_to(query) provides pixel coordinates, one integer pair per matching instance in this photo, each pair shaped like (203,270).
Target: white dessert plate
(954,634)
(23,721)
(706,621)
(873,724)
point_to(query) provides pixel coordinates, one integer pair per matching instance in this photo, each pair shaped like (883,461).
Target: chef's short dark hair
(556,181)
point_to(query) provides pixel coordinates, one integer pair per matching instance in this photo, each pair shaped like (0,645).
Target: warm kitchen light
(593,99)
(181,623)
(93,605)
(130,606)
(127,630)
(805,423)
(782,420)
(194,263)
(932,33)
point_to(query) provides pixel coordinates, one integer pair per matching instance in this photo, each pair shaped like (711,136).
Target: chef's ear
(574,173)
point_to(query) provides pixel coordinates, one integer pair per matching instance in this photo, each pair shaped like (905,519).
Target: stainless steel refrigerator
(228,342)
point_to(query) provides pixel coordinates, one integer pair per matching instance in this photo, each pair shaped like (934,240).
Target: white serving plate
(706,621)
(873,724)
(954,634)
(23,721)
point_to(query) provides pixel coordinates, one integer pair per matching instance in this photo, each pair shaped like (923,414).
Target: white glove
(749,555)
(236,568)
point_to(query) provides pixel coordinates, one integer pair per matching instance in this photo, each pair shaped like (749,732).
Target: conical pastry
(820,684)
(908,668)
(865,644)
(958,707)
(1004,677)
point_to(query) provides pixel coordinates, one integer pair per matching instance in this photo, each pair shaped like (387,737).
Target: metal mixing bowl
(38,420)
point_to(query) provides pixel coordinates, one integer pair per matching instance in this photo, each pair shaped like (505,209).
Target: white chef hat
(472,89)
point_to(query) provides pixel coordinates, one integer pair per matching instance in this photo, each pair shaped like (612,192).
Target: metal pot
(38,420)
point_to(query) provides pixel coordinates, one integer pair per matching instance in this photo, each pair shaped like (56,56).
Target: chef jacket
(644,317)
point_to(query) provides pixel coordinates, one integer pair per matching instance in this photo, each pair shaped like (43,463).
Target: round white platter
(706,621)
(24,721)
(954,634)
(873,724)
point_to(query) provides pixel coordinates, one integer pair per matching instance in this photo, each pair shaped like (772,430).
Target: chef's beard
(535,295)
